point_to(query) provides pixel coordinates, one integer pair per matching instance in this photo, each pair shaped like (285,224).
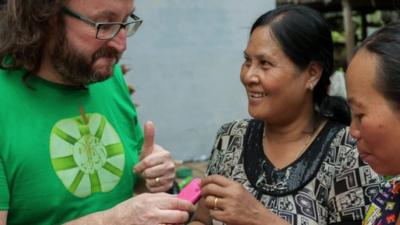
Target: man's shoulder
(10,79)
(11,75)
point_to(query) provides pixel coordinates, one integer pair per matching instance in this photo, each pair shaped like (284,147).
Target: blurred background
(185,63)
(186,57)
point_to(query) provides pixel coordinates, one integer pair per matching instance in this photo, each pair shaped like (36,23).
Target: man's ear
(314,73)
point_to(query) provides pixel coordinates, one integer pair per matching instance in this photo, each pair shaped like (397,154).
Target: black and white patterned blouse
(327,184)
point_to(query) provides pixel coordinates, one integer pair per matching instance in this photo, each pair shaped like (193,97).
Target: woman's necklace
(308,139)
(306,144)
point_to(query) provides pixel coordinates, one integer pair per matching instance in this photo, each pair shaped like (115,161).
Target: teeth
(257,95)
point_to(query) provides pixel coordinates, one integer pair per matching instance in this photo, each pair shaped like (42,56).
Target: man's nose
(119,41)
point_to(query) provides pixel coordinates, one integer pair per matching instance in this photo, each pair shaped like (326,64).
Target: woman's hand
(230,203)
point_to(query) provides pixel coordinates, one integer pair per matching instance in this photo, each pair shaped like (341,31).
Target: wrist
(107,217)
(97,218)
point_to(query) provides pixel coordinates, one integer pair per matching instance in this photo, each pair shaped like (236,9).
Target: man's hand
(156,165)
(144,209)
(149,209)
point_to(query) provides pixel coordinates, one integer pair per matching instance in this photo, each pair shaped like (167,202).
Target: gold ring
(215,203)
(158,180)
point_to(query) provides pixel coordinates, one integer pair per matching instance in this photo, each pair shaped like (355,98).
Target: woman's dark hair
(305,38)
(24,29)
(385,44)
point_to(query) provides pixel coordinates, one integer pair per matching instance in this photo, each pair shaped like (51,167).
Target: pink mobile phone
(192,191)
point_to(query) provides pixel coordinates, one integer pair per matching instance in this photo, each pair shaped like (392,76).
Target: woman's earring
(310,87)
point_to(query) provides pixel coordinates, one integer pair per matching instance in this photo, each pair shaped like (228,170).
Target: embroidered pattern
(385,207)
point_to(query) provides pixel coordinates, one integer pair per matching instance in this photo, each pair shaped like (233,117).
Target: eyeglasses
(108,30)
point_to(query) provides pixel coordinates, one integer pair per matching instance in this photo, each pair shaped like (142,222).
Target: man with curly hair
(70,135)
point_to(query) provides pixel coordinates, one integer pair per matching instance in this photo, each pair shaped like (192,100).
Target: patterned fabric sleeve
(354,185)
(216,153)
(228,136)
(4,191)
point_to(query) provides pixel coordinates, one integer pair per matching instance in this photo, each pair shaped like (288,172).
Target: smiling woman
(373,86)
(295,162)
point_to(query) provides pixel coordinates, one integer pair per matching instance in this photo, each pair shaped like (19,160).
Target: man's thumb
(148,144)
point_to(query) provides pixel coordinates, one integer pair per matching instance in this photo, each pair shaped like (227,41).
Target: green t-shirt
(58,163)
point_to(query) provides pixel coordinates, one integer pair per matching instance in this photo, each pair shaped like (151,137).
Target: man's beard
(74,67)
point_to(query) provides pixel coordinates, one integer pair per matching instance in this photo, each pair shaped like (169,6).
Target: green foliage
(338,37)
(375,18)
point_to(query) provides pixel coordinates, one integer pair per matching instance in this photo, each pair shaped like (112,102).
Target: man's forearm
(97,218)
